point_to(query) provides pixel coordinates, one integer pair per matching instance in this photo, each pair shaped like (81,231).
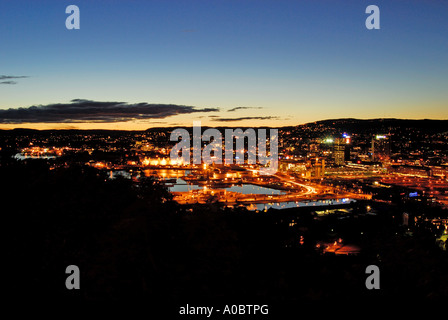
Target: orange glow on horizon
(130,125)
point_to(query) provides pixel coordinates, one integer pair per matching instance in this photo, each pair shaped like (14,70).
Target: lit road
(309,189)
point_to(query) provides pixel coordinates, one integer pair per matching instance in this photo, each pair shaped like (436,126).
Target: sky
(137,64)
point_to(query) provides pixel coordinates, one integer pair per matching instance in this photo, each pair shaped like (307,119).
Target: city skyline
(226,63)
(225,157)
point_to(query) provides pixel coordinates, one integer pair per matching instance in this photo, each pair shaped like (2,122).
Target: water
(165,174)
(298,204)
(22,156)
(182,186)
(252,189)
(121,173)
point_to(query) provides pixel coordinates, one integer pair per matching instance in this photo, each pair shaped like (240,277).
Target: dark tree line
(133,243)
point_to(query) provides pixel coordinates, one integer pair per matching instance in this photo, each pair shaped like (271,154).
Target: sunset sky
(137,64)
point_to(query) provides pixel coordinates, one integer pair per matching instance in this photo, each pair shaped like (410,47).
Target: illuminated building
(347,148)
(380,148)
(339,151)
(316,170)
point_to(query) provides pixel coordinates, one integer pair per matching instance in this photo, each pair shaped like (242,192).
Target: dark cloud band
(79,110)
(3,77)
(243,108)
(10,79)
(244,118)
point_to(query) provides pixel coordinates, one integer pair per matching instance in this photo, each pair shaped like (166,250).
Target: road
(309,189)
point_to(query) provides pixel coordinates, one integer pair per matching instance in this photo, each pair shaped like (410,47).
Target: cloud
(3,77)
(243,108)
(80,110)
(10,79)
(215,118)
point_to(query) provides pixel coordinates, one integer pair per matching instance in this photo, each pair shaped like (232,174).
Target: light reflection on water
(182,186)
(23,156)
(298,204)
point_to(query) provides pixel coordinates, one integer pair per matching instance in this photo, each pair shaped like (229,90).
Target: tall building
(347,152)
(380,148)
(347,149)
(339,151)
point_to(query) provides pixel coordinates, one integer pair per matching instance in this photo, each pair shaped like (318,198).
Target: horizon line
(207,126)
